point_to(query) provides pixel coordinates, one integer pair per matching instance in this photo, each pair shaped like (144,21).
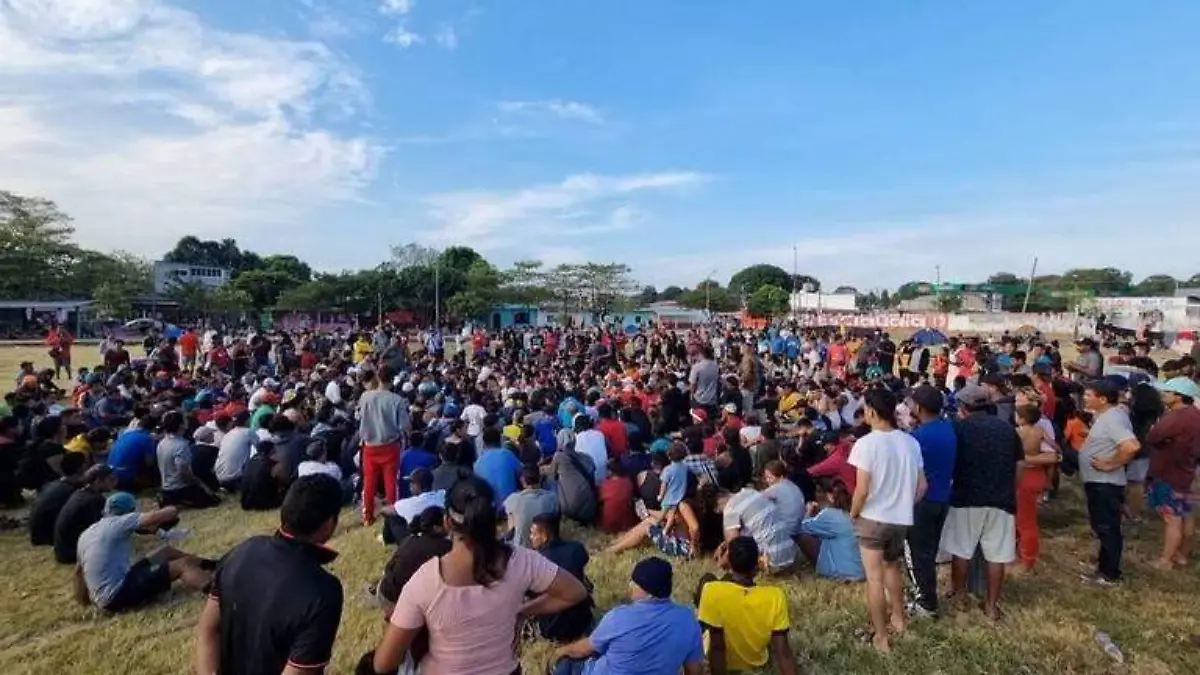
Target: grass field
(1050,615)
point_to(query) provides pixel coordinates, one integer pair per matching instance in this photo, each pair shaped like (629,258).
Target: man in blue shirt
(939,445)
(650,636)
(132,455)
(498,466)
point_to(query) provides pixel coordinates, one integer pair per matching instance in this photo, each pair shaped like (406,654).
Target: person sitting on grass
(650,636)
(272,606)
(827,535)
(51,499)
(398,517)
(180,485)
(426,539)
(521,507)
(545,538)
(82,510)
(263,481)
(107,575)
(747,624)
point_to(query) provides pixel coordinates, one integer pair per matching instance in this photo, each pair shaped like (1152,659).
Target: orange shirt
(189,344)
(1075,432)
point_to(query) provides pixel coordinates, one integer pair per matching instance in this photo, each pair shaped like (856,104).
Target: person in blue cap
(107,574)
(1174,443)
(650,636)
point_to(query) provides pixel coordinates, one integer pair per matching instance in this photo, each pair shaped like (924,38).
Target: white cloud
(142,122)
(488,220)
(446,37)
(1136,219)
(396,7)
(402,37)
(556,108)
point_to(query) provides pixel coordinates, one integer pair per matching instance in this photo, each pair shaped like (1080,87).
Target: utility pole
(1029,286)
(794,301)
(708,291)
(437,293)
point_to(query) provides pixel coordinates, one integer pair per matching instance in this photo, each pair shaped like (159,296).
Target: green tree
(211,253)
(1162,285)
(264,286)
(670,294)
(801,280)
(646,296)
(288,265)
(950,302)
(710,295)
(36,251)
(750,279)
(468,305)
(768,301)
(1103,281)
(524,283)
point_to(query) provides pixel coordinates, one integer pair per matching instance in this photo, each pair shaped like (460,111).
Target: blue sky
(882,140)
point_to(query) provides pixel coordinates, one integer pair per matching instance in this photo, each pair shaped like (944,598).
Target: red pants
(1029,493)
(377,459)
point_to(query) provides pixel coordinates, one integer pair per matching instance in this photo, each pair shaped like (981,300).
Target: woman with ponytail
(472,599)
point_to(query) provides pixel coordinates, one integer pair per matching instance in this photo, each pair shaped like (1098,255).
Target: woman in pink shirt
(472,599)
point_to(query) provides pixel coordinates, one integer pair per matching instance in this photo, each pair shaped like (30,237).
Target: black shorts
(143,582)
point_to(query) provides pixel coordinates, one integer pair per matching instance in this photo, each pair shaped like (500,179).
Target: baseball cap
(1183,386)
(699,415)
(928,397)
(973,396)
(730,408)
(120,504)
(421,476)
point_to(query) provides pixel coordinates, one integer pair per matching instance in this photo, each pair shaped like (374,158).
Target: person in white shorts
(983,499)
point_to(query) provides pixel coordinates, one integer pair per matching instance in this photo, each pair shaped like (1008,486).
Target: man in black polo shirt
(272,607)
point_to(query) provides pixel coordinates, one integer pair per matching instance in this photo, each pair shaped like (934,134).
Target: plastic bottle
(1109,646)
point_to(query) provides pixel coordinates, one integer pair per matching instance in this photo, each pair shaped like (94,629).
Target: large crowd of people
(758,448)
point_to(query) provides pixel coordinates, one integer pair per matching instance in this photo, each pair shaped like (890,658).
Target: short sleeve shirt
(471,628)
(106,554)
(622,636)
(748,616)
(1109,429)
(173,454)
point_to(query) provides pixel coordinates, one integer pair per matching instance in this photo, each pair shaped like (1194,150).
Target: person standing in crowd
(107,575)
(704,382)
(650,636)
(1034,480)
(935,435)
(273,607)
(60,342)
(1109,446)
(471,599)
(983,497)
(383,421)
(747,624)
(889,483)
(1175,447)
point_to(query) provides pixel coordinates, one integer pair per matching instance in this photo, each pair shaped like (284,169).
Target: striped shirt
(750,513)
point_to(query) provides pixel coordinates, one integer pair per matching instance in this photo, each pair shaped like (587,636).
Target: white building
(167,274)
(808,301)
(1170,314)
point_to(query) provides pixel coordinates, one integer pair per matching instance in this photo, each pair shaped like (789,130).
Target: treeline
(39,260)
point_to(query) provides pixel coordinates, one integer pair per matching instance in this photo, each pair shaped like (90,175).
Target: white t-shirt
(893,459)
(592,444)
(333,392)
(411,507)
(473,415)
(311,468)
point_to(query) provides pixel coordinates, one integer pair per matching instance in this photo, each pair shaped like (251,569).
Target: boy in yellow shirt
(746,625)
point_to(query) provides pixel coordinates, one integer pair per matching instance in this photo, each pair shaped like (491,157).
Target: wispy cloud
(402,37)
(139,119)
(446,37)
(397,7)
(485,219)
(555,108)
